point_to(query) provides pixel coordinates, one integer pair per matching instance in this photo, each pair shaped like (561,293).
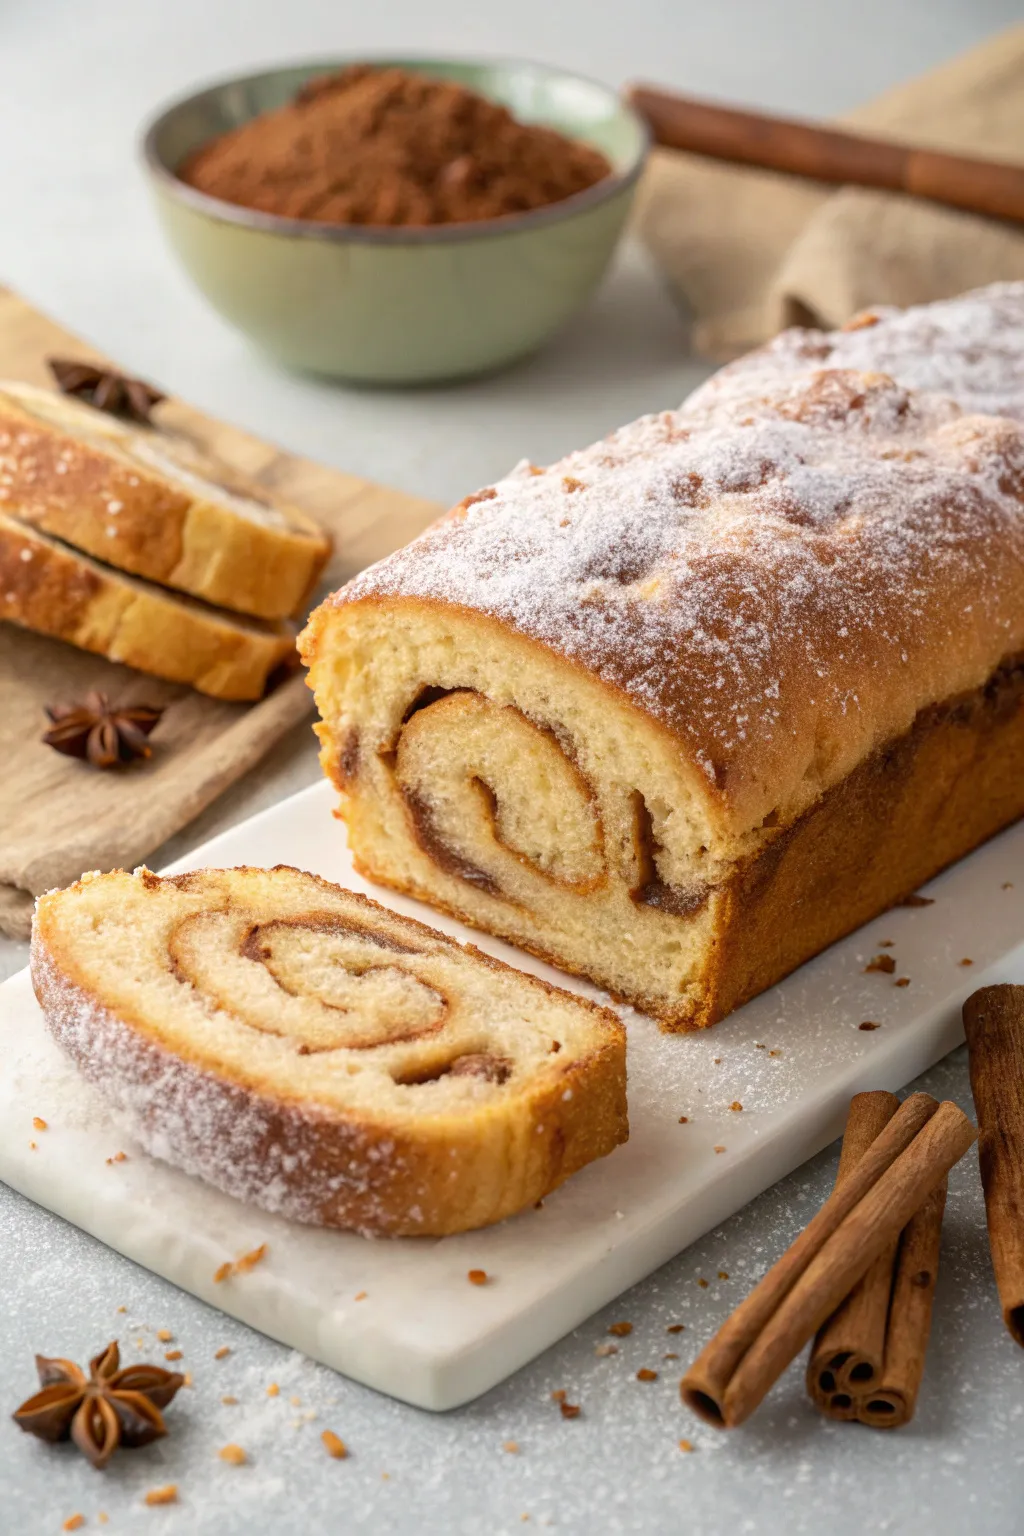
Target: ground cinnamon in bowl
(387,146)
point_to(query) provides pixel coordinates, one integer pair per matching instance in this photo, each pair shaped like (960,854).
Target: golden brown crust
(916,805)
(50,588)
(502,1144)
(111,490)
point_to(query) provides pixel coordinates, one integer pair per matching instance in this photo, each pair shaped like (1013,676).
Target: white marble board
(421,1332)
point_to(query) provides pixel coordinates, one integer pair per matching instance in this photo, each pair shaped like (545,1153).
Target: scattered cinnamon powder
(477,1277)
(884,963)
(670,1357)
(333,1445)
(602,1351)
(621,1330)
(570,1410)
(684,1445)
(722,1149)
(867,1024)
(643,1374)
(172,1354)
(164,1335)
(234,1454)
(902,981)
(222,1353)
(512,1446)
(360,1296)
(703,1283)
(684,1119)
(273,1389)
(118,1157)
(386,146)
(73,1523)
(723,1274)
(558,1395)
(675,1328)
(229,1402)
(966,962)
(735,1106)
(39,1124)
(166,1495)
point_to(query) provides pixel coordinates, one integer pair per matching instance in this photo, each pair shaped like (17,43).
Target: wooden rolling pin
(829,154)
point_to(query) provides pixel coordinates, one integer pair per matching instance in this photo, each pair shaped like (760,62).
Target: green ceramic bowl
(400,306)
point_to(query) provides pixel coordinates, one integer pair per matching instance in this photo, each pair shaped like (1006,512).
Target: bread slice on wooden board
(305,1049)
(48,587)
(120,494)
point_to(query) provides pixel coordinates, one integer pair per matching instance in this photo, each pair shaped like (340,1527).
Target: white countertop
(77,237)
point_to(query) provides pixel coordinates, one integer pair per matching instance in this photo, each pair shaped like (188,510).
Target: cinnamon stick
(849,1352)
(902,1166)
(891,1402)
(831,155)
(994,1024)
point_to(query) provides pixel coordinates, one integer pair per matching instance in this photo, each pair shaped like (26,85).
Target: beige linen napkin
(59,817)
(753,251)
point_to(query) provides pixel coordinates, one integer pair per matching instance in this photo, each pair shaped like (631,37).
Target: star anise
(105,388)
(105,735)
(107,1408)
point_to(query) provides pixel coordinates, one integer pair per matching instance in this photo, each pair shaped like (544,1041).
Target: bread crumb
(512,1446)
(241,1266)
(73,1523)
(39,1124)
(164,1335)
(233,1454)
(621,1330)
(166,1495)
(643,1374)
(333,1445)
(222,1353)
(477,1277)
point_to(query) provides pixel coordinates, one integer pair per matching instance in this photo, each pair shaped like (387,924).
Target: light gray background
(77,237)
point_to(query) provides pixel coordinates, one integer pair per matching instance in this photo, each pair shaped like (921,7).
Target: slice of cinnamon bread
(303,1048)
(118,493)
(48,587)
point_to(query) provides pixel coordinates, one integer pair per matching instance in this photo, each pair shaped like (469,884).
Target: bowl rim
(386,234)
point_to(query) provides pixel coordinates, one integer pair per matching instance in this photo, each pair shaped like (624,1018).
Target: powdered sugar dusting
(970,347)
(756,575)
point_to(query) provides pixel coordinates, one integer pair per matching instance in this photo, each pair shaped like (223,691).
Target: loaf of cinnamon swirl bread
(684,708)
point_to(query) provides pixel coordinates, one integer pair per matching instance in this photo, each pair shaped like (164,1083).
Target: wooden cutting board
(60,817)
